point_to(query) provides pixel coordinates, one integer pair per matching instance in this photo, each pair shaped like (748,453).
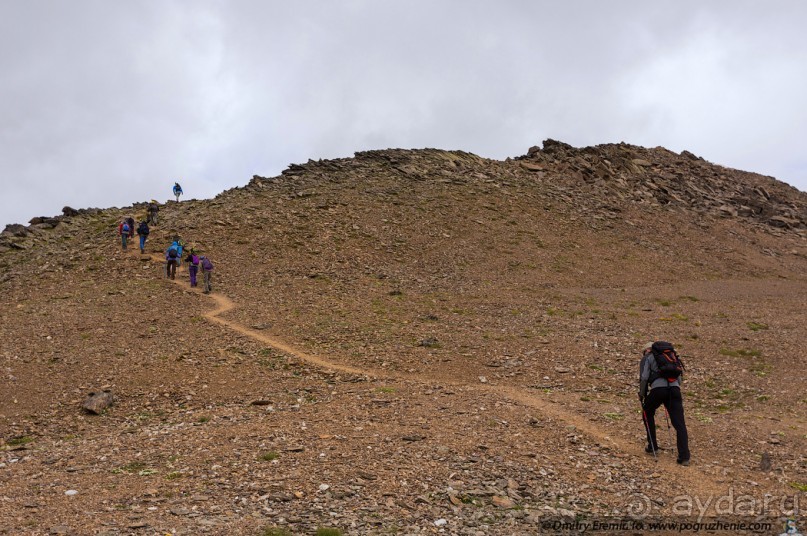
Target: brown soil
(390,343)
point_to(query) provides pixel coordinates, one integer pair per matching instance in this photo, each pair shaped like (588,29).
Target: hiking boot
(648,449)
(685,463)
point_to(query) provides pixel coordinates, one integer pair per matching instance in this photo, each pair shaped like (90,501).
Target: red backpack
(670,366)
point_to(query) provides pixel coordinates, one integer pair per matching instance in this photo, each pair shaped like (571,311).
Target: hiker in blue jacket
(171,256)
(123,231)
(177,190)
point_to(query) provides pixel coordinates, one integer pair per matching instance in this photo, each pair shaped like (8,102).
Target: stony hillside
(406,342)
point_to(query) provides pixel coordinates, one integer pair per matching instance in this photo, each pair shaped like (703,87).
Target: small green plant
(269,456)
(18,441)
(799,486)
(614,416)
(276,531)
(132,467)
(688,298)
(663,303)
(386,389)
(763,398)
(173,475)
(328,531)
(756,326)
(203,419)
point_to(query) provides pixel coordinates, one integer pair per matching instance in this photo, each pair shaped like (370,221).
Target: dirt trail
(693,480)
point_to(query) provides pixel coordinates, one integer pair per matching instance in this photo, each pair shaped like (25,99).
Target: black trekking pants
(670,397)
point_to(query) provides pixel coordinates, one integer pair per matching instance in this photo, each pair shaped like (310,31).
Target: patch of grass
(276,531)
(386,389)
(679,316)
(740,352)
(552,311)
(689,298)
(269,456)
(663,303)
(703,418)
(799,486)
(174,475)
(585,399)
(132,467)
(760,369)
(18,441)
(763,398)
(756,326)
(614,416)
(203,419)
(328,531)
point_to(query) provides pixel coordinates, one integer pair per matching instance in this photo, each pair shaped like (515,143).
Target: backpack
(195,260)
(206,264)
(669,364)
(124,228)
(143,229)
(172,253)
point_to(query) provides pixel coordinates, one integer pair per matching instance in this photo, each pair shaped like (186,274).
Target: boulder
(16,229)
(70,211)
(98,402)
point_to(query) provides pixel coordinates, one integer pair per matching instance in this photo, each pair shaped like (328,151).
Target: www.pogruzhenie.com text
(615,525)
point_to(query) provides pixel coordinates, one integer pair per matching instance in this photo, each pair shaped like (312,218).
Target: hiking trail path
(694,481)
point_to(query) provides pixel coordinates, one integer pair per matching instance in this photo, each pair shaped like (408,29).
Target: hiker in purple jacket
(193,265)
(207,270)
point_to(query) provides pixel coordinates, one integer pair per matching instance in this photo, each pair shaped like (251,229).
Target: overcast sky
(105,103)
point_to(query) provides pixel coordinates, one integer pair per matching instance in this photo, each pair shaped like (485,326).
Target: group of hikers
(173,255)
(660,369)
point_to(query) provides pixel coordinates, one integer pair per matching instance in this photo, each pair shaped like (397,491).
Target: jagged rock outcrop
(628,173)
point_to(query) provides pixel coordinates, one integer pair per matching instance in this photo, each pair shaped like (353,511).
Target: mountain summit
(407,341)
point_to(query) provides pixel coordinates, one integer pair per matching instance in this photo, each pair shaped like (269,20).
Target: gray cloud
(108,103)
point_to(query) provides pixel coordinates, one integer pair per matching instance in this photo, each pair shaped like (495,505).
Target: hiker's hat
(647,346)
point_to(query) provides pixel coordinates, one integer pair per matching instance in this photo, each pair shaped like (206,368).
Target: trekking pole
(649,437)
(669,431)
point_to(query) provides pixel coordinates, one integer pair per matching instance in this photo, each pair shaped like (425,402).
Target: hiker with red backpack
(661,372)
(124,230)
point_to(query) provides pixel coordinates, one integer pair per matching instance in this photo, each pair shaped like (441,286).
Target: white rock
(440,523)
(71,492)
(324,487)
